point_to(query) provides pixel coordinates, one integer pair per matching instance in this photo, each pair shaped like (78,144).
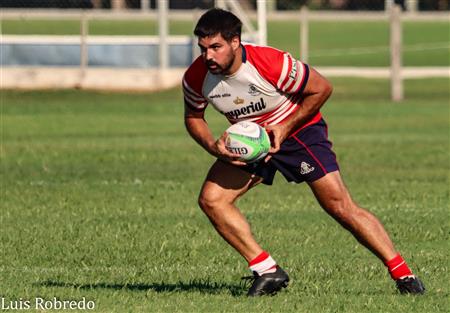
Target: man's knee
(342,209)
(205,201)
(348,213)
(210,200)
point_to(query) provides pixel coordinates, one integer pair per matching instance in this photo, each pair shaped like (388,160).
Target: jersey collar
(244,54)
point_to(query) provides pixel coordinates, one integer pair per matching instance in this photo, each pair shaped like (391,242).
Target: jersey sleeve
(279,68)
(193,84)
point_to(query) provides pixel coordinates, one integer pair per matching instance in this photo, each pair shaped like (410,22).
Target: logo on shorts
(305,168)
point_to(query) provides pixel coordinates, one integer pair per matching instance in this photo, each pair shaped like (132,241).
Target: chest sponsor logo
(224,95)
(253,107)
(252,90)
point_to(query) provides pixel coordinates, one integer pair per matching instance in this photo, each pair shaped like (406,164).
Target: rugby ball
(249,140)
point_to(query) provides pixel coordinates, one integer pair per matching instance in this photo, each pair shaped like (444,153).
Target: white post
(145,5)
(83,45)
(220,4)
(412,6)
(388,5)
(240,13)
(195,49)
(261,8)
(271,5)
(118,4)
(163,27)
(396,54)
(304,34)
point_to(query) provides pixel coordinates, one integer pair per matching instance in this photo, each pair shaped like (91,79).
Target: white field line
(153,79)
(378,49)
(75,39)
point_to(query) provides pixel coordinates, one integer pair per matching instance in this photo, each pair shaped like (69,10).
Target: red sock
(263,264)
(398,268)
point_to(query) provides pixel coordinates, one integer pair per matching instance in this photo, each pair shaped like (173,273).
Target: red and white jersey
(266,89)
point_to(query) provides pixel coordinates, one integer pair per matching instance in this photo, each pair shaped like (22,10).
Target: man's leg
(222,187)
(334,197)
(224,184)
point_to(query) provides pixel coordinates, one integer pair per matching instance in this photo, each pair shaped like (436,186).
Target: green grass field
(340,43)
(99,201)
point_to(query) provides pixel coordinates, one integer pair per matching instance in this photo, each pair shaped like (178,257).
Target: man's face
(218,53)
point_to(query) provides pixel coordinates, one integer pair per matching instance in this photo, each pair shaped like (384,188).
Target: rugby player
(270,87)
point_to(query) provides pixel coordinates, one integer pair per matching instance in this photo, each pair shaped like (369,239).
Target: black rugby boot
(267,284)
(410,285)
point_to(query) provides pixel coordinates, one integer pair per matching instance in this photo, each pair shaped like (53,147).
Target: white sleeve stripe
(195,104)
(299,83)
(200,101)
(190,91)
(284,71)
(286,77)
(188,88)
(193,96)
(291,81)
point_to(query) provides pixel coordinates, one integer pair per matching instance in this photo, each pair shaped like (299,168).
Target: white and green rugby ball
(249,140)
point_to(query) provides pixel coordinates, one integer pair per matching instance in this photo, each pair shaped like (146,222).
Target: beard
(216,69)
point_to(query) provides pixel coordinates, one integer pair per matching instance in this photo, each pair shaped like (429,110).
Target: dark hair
(218,21)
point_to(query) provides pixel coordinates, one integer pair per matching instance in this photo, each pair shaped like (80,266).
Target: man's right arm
(198,128)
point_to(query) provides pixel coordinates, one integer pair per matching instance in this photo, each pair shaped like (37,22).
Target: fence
(145,5)
(85,76)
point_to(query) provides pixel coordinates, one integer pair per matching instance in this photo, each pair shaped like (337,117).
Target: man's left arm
(317,90)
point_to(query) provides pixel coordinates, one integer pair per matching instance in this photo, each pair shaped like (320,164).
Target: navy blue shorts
(304,156)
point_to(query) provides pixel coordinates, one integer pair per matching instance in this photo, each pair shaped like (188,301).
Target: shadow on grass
(191,286)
